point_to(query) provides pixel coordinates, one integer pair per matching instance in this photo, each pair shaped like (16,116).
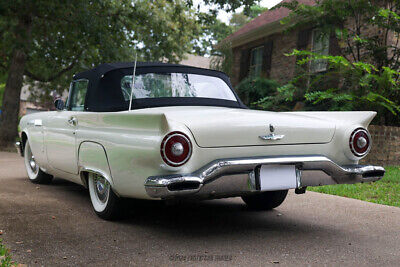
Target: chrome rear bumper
(237,176)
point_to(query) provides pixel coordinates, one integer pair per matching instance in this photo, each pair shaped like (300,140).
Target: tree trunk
(11,98)
(12,91)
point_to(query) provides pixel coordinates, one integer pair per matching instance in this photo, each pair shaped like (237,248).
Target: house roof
(196,61)
(265,18)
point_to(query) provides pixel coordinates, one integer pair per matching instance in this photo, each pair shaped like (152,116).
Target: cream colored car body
(124,147)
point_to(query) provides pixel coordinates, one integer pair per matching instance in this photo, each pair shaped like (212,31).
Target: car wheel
(105,202)
(265,200)
(35,174)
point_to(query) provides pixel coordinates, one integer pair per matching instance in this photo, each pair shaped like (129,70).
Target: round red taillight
(360,142)
(176,149)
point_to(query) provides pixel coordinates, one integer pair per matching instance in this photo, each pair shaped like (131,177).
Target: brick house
(259,47)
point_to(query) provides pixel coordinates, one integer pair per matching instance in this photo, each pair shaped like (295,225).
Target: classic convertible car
(163,131)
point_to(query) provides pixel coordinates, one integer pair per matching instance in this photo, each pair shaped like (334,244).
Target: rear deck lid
(224,127)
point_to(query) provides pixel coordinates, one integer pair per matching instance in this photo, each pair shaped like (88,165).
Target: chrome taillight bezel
(164,142)
(351,142)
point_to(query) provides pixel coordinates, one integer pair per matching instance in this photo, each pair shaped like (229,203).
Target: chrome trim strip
(223,167)
(96,171)
(38,122)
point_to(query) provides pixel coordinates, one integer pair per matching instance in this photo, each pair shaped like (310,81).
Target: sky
(224,16)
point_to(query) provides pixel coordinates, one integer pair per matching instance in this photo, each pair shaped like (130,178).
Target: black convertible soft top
(104,93)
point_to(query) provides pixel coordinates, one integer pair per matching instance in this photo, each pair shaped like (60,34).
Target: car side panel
(60,142)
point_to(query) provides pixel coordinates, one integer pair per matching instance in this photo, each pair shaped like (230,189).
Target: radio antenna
(133,83)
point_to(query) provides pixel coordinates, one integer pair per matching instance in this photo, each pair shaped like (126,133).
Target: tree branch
(52,78)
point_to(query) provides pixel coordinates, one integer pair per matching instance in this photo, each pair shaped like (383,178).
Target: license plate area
(276,177)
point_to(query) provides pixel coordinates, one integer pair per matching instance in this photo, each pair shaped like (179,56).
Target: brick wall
(385,146)
(283,67)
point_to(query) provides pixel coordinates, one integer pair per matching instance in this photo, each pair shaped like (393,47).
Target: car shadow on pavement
(224,217)
(193,218)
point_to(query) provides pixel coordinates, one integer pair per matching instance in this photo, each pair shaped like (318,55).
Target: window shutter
(334,48)
(303,39)
(244,64)
(267,58)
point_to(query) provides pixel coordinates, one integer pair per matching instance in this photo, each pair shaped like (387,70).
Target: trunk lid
(224,127)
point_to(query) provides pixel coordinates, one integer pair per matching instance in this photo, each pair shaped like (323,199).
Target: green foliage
(239,19)
(5,257)
(221,54)
(255,10)
(251,90)
(385,191)
(280,100)
(363,86)
(222,58)
(211,32)
(63,38)
(2,85)
(229,5)
(363,73)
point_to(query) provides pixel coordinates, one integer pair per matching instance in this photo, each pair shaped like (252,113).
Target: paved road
(54,225)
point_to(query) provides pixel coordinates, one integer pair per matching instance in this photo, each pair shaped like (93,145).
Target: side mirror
(59,104)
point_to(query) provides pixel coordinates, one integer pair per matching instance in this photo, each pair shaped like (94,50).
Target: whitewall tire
(105,202)
(35,174)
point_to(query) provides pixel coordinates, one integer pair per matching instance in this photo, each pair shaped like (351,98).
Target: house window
(320,45)
(256,60)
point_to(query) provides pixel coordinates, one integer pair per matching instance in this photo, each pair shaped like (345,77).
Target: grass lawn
(385,191)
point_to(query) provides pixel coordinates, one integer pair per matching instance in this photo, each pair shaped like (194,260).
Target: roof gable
(265,18)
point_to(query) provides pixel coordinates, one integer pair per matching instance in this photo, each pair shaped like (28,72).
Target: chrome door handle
(272,137)
(73,121)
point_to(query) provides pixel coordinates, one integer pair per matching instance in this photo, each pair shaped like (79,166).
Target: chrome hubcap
(101,187)
(30,162)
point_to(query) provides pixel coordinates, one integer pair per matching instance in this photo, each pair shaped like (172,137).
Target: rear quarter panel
(131,142)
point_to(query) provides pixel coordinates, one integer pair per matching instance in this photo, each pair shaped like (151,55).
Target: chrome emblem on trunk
(271,128)
(271,136)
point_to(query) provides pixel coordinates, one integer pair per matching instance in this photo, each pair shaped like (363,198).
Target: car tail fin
(362,118)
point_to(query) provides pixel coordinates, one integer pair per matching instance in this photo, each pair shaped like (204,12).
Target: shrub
(251,90)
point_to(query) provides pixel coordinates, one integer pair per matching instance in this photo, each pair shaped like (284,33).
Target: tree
(47,41)
(363,73)
(238,20)
(221,54)
(44,42)
(255,10)
(211,32)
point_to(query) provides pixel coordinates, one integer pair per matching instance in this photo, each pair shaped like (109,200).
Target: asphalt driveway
(54,225)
